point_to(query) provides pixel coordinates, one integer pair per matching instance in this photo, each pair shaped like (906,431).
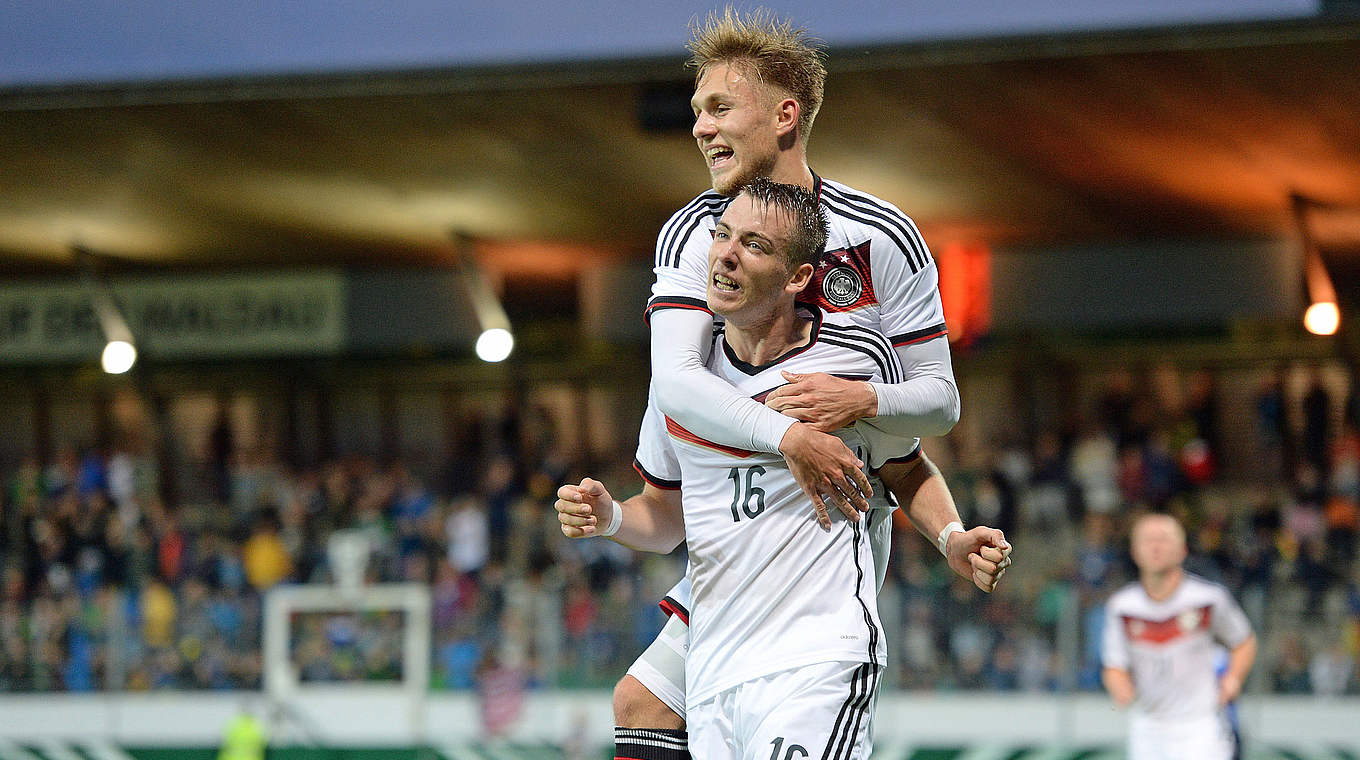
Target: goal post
(348,553)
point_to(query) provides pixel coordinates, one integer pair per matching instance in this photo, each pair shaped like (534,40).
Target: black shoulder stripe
(846,213)
(659,303)
(887,368)
(864,333)
(883,370)
(919,336)
(903,231)
(668,253)
(882,356)
(677,219)
(891,215)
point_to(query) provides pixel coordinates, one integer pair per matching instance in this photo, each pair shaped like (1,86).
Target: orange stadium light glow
(966,290)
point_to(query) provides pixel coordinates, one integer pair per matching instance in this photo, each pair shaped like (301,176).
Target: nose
(727,254)
(703,126)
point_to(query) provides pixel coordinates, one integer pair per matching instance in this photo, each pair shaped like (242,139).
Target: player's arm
(1119,683)
(925,404)
(710,407)
(981,555)
(1240,659)
(1114,659)
(1231,628)
(924,401)
(652,521)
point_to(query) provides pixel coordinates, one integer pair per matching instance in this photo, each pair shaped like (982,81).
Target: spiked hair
(808,238)
(779,54)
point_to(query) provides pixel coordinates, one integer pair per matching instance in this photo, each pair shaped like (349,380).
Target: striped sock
(650,744)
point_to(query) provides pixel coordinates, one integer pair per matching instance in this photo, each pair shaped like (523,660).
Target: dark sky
(103,41)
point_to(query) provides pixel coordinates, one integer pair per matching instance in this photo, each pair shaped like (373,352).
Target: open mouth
(718,156)
(725,283)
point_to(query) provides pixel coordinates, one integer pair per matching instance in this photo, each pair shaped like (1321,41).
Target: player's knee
(636,707)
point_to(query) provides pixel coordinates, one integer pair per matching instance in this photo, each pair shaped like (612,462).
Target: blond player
(1162,635)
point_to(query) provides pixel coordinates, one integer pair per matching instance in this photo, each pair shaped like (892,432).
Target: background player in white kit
(781,608)
(1160,643)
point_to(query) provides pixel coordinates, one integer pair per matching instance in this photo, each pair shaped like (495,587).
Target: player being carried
(785,648)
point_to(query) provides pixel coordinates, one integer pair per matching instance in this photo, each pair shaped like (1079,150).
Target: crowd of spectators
(105,587)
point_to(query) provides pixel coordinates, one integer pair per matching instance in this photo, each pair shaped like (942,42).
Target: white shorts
(661,667)
(817,711)
(1205,738)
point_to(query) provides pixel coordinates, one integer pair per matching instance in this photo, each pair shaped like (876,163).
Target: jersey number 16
(741,497)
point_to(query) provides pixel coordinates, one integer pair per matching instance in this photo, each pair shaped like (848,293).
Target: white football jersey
(1170,646)
(770,589)
(876,267)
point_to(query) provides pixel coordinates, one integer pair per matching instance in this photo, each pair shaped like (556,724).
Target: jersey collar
(756,369)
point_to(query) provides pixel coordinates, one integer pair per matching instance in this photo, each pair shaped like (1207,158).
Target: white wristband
(615,520)
(942,543)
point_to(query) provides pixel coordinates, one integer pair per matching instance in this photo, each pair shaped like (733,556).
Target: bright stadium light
(496,341)
(495,345)
(1322,318)
(118,357)
(120,353)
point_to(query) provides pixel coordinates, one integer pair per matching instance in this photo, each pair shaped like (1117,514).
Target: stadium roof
(1015,142)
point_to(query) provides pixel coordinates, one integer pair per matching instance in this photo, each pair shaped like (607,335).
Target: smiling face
(736,124)
(749,273)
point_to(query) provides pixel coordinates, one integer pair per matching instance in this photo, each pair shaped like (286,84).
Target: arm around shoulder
(700,400)
(927,402)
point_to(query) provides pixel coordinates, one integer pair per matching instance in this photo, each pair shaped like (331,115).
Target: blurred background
(260,269)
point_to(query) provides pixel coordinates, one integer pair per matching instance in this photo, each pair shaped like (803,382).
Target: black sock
(650,744)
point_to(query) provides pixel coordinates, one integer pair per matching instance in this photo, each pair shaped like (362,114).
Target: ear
(786,116)
(800,279)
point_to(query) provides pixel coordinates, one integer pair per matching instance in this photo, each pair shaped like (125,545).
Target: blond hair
(781,55)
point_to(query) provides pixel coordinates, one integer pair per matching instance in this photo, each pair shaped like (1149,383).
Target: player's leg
(649,702)
(817,711)
(635,706)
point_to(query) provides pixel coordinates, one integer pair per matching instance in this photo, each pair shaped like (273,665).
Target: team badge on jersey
(842,286)
(1189,620)
(842,281)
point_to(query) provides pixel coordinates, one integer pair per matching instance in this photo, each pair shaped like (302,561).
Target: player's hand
(1122,694)
(1229,688)
(826,470)
(584,510)
(825,402)
(981,555)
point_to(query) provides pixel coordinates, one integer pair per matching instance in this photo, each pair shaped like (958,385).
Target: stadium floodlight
(495,345)
(1323,316)
(120,351)
(118,357)
(496,341)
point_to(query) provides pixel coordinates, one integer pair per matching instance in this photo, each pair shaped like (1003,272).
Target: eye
(755,245)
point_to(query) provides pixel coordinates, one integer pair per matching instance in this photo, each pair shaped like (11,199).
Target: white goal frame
(349,553)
